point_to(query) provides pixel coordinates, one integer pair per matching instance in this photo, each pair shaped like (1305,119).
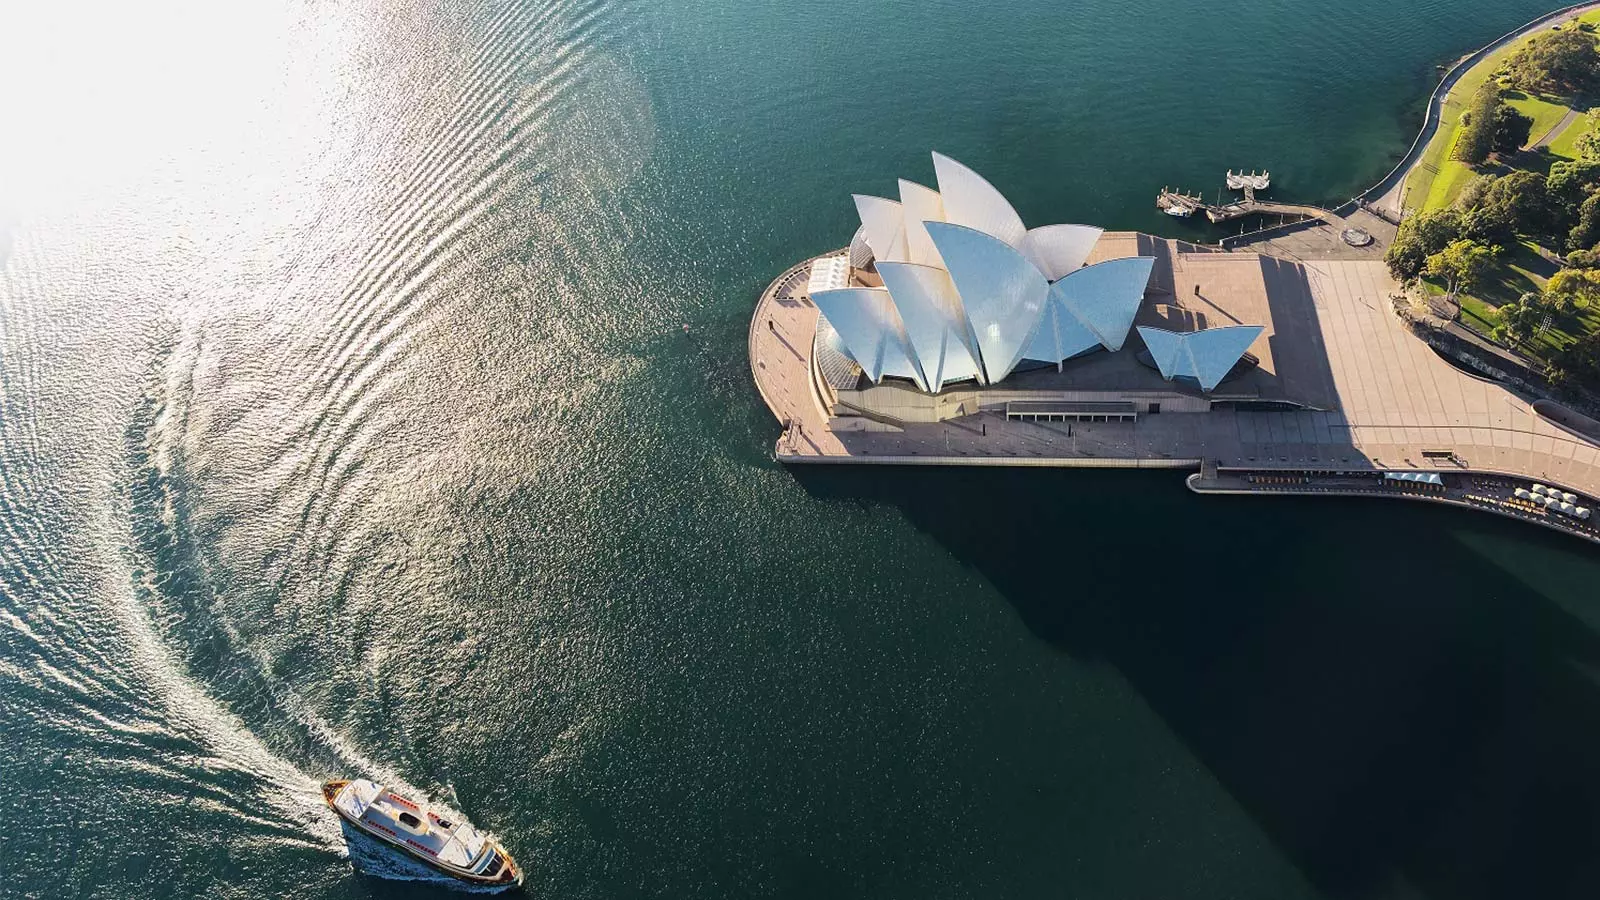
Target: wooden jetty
(1184,204)
(1179,203)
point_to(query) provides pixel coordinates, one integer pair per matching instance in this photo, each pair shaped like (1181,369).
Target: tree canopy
(1512,129)
(1585,231)
(1588,145)
(1420,236)
(1560,61)
(1580,361)
(1519,320)
(1461,264)
(1481,125)
(1496,210)
(1570,288)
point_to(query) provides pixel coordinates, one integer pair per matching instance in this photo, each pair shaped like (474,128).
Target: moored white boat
(438,838)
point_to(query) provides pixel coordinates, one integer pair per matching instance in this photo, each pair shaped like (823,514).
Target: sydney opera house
(945,294)
(1284,360)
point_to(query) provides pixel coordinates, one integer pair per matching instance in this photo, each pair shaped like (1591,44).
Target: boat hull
(508,876)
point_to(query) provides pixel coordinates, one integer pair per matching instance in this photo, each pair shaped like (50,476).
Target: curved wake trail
(225,519)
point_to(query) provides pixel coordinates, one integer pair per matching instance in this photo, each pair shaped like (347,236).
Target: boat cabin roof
(435,832)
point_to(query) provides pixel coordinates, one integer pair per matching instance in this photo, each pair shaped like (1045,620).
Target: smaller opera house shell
(946,287)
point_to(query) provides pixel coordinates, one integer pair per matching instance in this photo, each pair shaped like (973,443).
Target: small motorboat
(438,838)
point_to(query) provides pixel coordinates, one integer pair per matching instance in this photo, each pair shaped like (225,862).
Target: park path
(1391,190)
(1555,132)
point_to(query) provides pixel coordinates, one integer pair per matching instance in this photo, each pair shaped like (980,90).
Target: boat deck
(439,835)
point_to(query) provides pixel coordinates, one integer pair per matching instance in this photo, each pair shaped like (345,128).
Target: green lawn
(1443,187)
(1438,179)
(1436,164)
(1524,271)
(1565,145)
(1545,111)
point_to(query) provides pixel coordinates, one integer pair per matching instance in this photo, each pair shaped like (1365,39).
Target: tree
(1580,360)
(1569,289)
(1473,192)
(1461,264)
(1495,210)
(1583,259)
(1586,231)
(1421,236)
(1588,144)
(1479,124)
(1560,61)
(1570,183)
(1517,321)
(1512,129)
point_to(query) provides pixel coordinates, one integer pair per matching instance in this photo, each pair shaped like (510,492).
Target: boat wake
(207,670)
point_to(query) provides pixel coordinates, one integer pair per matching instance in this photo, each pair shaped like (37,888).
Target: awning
(1418,477)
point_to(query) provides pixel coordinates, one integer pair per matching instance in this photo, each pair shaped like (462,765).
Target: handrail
(1435,113)
(1430,122)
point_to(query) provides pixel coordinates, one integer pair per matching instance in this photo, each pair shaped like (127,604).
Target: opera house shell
(970,294)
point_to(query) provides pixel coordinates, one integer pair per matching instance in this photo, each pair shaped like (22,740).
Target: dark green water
(348,427)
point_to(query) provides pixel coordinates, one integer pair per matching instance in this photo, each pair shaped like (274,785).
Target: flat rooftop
(1192,288)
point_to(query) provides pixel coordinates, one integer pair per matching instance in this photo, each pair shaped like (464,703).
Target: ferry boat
(437,838)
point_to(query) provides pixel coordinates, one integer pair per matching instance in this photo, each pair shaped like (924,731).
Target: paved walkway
(1321,239)
(1561,126)
(1391,190)
(1395,398)
(781,333)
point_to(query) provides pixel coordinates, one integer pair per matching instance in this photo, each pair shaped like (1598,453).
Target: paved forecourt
(1382,396)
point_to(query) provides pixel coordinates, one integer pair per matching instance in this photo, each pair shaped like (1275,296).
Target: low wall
(1199,485)
(1430,124)
(906,405)
(1026,462)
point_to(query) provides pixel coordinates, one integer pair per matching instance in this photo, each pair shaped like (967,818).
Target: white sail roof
(1092,307)
(1059,250)
(1206,356)
(871,330)
(1003,294)
(935,321)
(1105,297)
(1059,337)
(884,226)
(967,289)
(972,201)
(920,204)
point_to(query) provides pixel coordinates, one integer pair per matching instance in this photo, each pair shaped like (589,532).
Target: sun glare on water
(111,102)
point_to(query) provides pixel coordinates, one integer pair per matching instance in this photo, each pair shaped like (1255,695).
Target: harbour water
(348,426)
